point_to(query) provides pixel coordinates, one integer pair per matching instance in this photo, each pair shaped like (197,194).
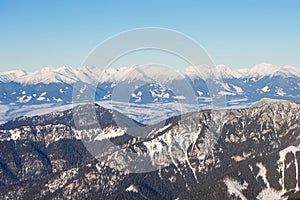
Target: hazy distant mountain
(150,84)
(249,153)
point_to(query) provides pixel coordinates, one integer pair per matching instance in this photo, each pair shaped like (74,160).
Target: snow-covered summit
(263,69)
(84,74)
(11,75)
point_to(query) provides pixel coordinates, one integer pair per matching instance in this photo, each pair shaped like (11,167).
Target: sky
(239,34)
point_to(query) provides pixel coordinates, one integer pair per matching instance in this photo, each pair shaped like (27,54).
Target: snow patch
(132,188)
(110,133)
(270,194)
(262,173)
(281,165)
(238,89)
(41,97)
(265,89)
(15,135)
(235,188)
(280,92)
(200,93)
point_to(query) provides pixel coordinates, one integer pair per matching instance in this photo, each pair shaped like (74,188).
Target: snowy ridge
(51,75)
(91,74)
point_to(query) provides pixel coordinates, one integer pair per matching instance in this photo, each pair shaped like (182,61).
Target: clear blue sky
(36,34)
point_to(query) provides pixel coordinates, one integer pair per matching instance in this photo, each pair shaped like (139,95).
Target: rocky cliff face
(250,153)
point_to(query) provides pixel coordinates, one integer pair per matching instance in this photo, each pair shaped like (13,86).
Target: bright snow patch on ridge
(131,188)
(111,133)
(235,188)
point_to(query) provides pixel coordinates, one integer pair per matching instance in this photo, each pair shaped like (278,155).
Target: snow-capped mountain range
(71,75)
(143,85)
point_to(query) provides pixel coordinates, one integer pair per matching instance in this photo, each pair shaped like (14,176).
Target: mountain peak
(263,69)
(86,74)
(272,102)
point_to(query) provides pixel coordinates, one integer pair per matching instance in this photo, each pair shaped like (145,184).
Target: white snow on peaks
(201,71)
(287,71)
(143,73)
(52,75)
(223,71)
(210,72)
(11,75)
(263,69)
(257,71)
